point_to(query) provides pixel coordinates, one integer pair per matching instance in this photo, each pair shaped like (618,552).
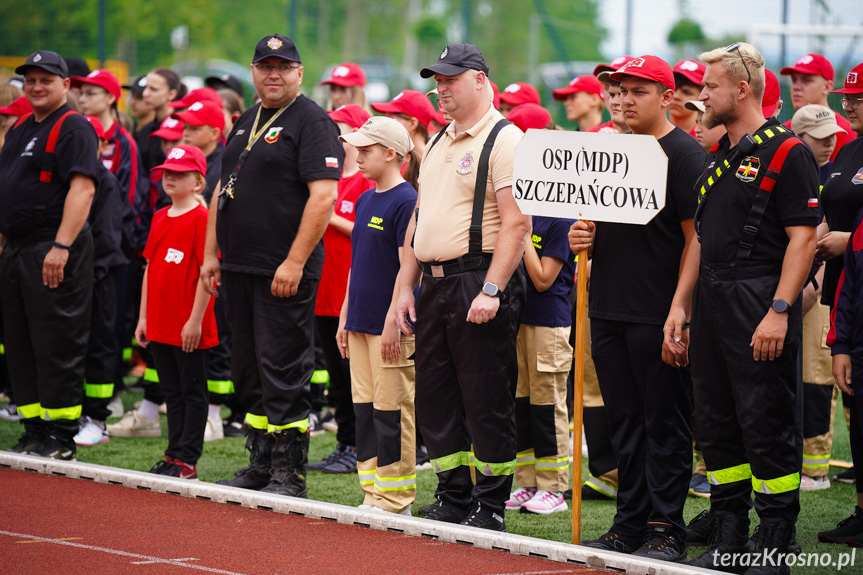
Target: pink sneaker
(519,497)
(544,503)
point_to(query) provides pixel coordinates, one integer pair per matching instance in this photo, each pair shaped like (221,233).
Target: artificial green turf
(820,510)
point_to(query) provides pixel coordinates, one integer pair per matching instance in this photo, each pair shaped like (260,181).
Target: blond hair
(737,61)
(199,197)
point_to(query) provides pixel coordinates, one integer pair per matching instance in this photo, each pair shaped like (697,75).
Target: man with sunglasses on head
(756,222)
(280,171)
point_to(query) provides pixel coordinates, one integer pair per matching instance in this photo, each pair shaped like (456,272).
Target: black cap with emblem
(49,61)
(455,59)
(225,81)
(278,46)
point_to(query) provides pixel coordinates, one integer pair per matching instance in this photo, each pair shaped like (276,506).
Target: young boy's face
(822,147)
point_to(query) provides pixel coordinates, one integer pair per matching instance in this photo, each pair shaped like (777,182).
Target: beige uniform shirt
(446,185)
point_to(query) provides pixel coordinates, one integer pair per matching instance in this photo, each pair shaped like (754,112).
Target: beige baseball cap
(817,121)
(694,105)
(384,131)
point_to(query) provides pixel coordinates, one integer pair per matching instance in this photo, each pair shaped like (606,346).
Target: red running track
(58,525)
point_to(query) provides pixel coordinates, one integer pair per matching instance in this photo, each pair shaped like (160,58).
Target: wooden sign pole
(578,400)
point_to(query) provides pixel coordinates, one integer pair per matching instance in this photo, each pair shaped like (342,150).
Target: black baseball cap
(225,81)
(455,59)
(138,85)
(276,45)
(77,66)
(51,62)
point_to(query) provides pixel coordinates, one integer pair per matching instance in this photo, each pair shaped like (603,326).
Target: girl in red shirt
(176,318)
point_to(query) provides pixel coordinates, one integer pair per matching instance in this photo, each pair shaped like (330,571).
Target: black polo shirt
(793,201)
(842,198)
(256,229)
(21,162)
(635,268)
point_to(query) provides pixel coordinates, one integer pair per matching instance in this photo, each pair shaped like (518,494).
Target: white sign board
(590,176)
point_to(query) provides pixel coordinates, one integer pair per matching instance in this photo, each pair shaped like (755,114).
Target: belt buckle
(437,271)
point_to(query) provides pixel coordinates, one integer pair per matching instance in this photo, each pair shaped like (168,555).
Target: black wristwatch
(491,290)
(780,306)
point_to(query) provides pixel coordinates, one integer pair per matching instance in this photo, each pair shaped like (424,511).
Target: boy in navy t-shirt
(544,361)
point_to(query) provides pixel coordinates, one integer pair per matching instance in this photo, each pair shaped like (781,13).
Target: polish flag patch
(332,162)
(812,203)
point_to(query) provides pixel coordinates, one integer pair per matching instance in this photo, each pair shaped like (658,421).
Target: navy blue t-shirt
(379,232)
(551,307)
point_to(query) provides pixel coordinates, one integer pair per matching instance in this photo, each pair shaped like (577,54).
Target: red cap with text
(409,102)
(351,114)
(184,159)
(17,108)
(520,93)
(771,96)
(171,130)
(853,82)
(613,65)
(691,70)
(811,64)
(529,116)
(203,113)
(199,95)
(102,78)
(97,125)
(586,83)
(651,68)
(347,75)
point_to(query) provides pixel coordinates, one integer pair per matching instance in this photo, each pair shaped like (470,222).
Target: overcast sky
(653,20)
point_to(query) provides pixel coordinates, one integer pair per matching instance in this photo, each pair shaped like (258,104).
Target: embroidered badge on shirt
(748,169)
(858,178)
(376,222)
(347,207)
(174,256)
(332,162)
(465,164)
(812,202)
(272,136)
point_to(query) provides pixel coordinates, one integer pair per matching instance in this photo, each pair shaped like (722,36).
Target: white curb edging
(415,526)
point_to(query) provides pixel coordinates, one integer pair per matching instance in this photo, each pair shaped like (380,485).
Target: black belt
(465,263)
(40,235)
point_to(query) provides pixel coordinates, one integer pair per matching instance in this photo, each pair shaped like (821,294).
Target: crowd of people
(258,257)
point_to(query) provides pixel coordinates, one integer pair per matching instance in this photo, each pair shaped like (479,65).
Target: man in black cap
(48,169)
(280,171)
(471,296)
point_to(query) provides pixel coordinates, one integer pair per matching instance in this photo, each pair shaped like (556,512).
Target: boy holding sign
(634,277)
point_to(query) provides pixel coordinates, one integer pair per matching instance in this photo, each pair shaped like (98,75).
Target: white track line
(146,558)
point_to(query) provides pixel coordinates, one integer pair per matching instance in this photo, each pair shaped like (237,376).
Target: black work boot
(701,530)
(290,457)
(35,432)
(60,442)
(771,542)
(257,475)
(729,549)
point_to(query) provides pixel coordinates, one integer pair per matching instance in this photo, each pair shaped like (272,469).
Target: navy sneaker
(484,519)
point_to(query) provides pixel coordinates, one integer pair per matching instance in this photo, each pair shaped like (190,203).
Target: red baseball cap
(691,70)
(199,95)
(520,93)
(586,83)
(102,78)
(414,104)
(811,64)
(651,68)
(612,66)
(17,108)
(495,100)
(853,82)
(346,75)
(527,116)
(97,125)
(184,159)
(771,96)
(171,129)
(203,113)
(351,114)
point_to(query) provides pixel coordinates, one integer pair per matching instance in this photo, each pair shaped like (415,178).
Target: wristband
(687,325)
(61,246)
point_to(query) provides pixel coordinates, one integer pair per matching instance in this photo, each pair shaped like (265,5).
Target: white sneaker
(9,412)
(214,430)
(92,432)
(519,497)
(163,407)
(133,425)
(814,483)
(406,511)
(115,406)
(545,502)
